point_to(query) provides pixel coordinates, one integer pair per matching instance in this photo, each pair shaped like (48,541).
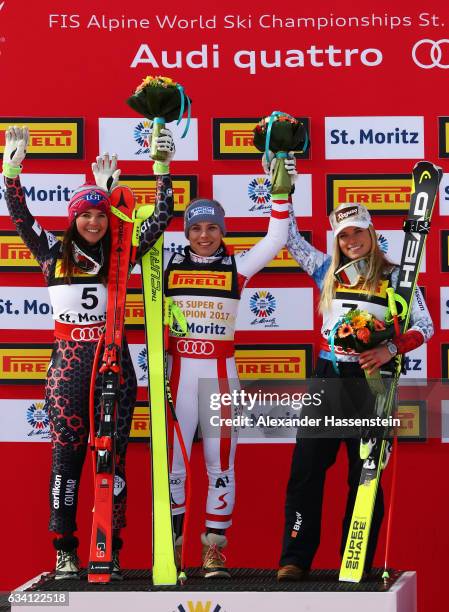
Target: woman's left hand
(372,359)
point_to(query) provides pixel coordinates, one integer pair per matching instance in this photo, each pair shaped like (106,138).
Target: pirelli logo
(443,136)
(282,262)
(24,363)
(50,138)
(184,189)
(387,194)
(14,255)
(140,425)
(134,311)
(412,415)
(281,362)
(179,279)
(233,138)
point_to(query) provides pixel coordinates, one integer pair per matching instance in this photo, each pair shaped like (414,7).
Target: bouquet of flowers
(280,133)
(358,331)
(162,100)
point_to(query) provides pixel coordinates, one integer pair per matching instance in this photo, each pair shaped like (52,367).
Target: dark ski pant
(312,457)
(67,399)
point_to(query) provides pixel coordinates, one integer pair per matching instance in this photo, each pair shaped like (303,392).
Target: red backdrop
(50,70)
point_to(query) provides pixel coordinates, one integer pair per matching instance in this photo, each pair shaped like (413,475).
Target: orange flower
(345,330)
(378,325)
(364,335)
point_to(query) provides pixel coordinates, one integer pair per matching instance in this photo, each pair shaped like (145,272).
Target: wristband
(11,171)
(161,168)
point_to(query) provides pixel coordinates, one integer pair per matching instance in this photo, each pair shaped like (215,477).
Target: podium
(248,590)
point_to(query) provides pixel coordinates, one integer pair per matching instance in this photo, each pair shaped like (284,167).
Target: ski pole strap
(393,300)
(174,318)
(118,213)
(416,226)
(181,110)
(332,346)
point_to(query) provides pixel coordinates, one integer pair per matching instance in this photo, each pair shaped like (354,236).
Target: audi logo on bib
(195,347)
(86,334)
(428,53)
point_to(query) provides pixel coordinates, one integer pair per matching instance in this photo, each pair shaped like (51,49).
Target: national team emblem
(262,304)
(259,190)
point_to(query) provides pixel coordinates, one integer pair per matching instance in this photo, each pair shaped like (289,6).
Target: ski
(164,567)
(425,180)
(121,223)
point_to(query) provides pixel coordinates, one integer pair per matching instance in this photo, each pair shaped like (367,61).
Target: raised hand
(16,141)
(106,172)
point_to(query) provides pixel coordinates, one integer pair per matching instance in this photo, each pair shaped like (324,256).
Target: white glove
(289,163)
(16,140)
(290,166)
(106,172)
(166,143)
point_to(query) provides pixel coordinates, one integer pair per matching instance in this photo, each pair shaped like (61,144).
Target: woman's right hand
(16,141)
(289,163)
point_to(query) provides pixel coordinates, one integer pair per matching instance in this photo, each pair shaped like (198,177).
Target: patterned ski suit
(79,310)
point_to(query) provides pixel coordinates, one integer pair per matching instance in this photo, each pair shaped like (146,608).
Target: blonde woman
(354,277)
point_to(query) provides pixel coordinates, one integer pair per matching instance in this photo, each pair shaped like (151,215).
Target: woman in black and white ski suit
(75,270)
(355,240)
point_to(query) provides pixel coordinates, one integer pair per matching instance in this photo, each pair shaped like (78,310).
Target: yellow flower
(359,321)
(157,81)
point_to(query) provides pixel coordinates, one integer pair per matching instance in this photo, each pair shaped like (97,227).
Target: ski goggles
(351,273)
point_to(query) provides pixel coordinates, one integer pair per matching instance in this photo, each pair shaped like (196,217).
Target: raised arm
(107,176)
(259,255)
(40,242)
(155,225)
(311,260)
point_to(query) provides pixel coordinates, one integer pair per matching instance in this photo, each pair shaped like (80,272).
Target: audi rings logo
(86,334)
(429,53)
(195,347)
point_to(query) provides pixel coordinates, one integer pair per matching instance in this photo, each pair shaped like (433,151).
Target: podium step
(248,589)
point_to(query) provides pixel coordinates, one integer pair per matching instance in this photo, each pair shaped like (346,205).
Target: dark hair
(71,235)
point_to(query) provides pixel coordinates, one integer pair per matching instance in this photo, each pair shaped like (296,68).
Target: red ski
(122,254)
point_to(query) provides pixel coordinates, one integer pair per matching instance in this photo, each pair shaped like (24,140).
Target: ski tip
(122,198)
(182,578)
